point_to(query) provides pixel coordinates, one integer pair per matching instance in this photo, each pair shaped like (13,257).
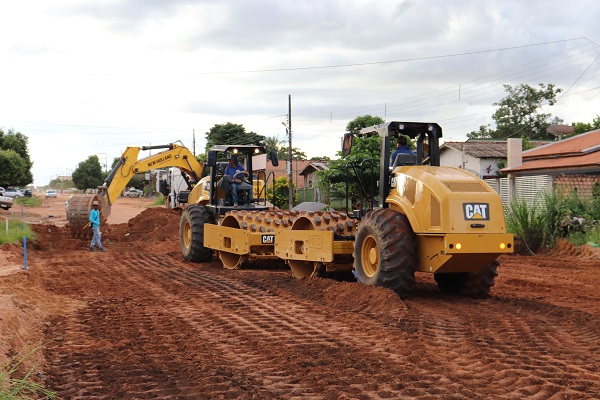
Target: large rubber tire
(191,233)
(471,284)
(385,251)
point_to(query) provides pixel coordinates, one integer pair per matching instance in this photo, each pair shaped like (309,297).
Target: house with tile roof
(571,164)
(480,157)
(303,176)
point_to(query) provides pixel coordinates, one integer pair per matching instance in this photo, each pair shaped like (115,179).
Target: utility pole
(194,141)
(289,127)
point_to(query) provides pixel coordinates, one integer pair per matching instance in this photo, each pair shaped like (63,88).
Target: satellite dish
(560,130)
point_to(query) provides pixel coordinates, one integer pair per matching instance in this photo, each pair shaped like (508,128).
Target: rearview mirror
(274,159)
(211,159)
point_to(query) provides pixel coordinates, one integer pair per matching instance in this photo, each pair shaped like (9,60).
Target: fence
(527,187)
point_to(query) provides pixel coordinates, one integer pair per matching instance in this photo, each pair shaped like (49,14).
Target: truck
(6,202)
(419,217)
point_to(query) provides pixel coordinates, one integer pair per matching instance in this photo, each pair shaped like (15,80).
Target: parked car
(133,193)
(50,193)
(27,193)
(5,202)
(13,192)
(1,191)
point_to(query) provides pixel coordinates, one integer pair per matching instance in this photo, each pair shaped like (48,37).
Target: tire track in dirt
(526,348)
(156,327)
(120,345)
(434,329)
(267,323)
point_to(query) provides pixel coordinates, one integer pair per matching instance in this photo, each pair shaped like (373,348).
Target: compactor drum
(240,236)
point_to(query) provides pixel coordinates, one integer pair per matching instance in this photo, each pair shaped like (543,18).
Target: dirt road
(140,323)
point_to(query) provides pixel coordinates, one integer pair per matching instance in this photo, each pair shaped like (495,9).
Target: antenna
(560,130)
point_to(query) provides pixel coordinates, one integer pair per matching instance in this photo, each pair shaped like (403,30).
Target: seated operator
(232,169)
(402,149)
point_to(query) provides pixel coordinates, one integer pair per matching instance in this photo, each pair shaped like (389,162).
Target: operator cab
(251,192)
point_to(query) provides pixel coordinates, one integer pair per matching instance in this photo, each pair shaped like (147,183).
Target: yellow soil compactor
(420,217)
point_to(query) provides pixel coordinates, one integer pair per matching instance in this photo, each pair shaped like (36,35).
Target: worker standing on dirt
(402,149)
(95,224)
(235,170)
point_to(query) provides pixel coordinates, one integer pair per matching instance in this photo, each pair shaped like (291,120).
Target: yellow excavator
(172,155)
(206,184)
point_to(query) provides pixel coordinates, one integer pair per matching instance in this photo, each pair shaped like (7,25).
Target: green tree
(231,133)
(280,197)
(519,114)
(583,127)
(273,143)
(12,169)
(364,121)
(297,154)
(201,158)
(362,162)
(59,184)
(20,174)
(88,174)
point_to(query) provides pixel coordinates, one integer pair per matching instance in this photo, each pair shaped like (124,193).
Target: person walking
(95,224)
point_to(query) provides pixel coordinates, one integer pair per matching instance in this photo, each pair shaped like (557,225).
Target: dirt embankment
(138,323)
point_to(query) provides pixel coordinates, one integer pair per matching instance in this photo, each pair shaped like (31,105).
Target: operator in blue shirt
(236,171)
(402,149)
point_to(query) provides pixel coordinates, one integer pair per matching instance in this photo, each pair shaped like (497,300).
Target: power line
(468,53)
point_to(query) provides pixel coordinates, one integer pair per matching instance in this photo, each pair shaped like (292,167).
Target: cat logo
(268,239)
(476,211)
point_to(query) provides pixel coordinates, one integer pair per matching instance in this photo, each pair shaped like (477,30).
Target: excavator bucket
(78,213)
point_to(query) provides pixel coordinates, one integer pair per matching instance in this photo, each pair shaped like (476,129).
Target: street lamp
(289,166)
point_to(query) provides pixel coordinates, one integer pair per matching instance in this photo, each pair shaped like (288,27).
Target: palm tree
(273,143)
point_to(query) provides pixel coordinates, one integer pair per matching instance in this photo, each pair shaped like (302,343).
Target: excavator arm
(173,155)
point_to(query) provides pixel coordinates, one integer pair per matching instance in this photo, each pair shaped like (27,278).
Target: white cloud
(82,77)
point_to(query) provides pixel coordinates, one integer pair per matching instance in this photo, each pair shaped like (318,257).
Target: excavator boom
(172,155)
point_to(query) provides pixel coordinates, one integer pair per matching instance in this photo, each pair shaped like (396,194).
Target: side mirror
(274,159)
(347,144)
(211,159)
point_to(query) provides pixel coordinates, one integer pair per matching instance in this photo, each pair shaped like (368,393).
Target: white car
(13,192)
(134,193)
(50,193)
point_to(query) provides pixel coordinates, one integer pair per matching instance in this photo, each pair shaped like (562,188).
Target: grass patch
(160,200)
(29,201)
(12,387)
(16,231)
(591,237)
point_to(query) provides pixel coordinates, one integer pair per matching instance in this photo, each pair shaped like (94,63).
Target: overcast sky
(81,77)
